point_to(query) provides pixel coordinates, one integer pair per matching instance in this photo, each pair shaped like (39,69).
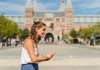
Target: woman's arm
(29,45)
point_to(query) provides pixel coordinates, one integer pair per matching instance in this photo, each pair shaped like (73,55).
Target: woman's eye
(44,29)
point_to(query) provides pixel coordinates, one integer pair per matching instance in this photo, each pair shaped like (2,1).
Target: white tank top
(25,58)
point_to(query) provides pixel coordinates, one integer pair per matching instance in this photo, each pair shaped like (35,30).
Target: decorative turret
(28,14)
(69,4)
(28,9)
(69,15)
(35,6)
(69,10)
(28,4)
(62,5)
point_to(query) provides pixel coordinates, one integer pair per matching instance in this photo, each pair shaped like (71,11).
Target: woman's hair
(33,32)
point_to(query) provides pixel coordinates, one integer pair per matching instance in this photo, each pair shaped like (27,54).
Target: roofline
(48,17)
(49,11)
(43,11)
(85,15)
(14,15)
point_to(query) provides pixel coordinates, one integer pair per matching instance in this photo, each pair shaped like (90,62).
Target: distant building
(58,22)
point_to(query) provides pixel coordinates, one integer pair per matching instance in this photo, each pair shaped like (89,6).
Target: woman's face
(41,31)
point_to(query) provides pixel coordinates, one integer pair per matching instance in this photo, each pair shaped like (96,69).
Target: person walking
(30,55)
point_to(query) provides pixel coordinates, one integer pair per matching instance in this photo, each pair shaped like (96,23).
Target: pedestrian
(16,43)
(30,55)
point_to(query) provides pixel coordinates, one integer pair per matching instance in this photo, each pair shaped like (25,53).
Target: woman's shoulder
(29,40)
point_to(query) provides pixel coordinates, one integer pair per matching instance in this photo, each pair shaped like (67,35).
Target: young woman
(29,55)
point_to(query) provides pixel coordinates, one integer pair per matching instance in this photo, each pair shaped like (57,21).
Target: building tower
(69,16)
(28,14)
(62,5)
(35,5)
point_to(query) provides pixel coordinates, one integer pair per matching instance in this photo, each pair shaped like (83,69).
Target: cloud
(93,4)
(17,7)
(6,7)
(87,7)
(47,6)
(75,0)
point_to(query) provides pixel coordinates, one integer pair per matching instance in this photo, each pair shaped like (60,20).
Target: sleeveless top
(25,58)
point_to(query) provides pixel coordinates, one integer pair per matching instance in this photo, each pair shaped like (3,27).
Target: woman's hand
(49,55)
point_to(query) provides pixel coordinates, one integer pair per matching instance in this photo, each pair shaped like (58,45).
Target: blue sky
(81,7)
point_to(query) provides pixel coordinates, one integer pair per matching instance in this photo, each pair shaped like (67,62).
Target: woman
(29,55)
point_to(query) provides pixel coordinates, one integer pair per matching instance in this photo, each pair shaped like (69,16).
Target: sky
(81,7)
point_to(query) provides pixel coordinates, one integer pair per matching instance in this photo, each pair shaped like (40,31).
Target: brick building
(58,22)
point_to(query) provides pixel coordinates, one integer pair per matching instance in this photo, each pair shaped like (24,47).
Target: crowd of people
(10,42)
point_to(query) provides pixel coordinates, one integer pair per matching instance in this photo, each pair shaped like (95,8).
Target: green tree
(79,32)
(73,33)
(24,33)
(8,28)
(16,30)
(65,37)
(85,33)
(96,28)
(2,24)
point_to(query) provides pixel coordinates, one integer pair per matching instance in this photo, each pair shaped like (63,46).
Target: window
(28,21)
(88,19)
(94,19)
(57,20)
(40,19)
(34,19)
(48,15)
(10,18)
(63,20)
(52,26)
(99,19)
(22,19)
(81,19)
(48,19)
(16,19)
(76,19)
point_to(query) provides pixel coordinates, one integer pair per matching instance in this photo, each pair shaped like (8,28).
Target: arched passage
(49,38)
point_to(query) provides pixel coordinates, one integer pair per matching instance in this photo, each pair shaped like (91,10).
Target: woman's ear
(36,29)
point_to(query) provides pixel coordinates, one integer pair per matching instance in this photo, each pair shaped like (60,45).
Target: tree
(89,31)
(8,28)
(24,33)
(73,33)
(85,33)
(65,36)
(15,30)
(79,32)
(96,28)
(2,24)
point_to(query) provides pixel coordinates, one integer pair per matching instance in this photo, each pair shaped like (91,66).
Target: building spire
(35,6)
(69,4)
(28,4)
(62,5)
